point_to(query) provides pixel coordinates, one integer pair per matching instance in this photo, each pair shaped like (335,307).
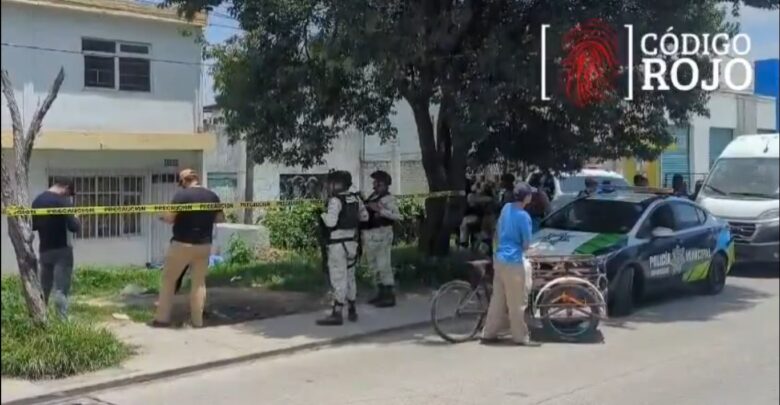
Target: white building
(358,154)
(701,142)
(126,119)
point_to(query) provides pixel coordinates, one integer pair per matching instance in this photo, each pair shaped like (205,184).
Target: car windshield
(575,184)
(590,216)
(744,177)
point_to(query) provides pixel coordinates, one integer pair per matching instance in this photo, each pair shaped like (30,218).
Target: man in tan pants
(510,295)
(190,246)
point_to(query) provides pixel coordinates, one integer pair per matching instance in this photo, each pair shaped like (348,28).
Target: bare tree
(15,182)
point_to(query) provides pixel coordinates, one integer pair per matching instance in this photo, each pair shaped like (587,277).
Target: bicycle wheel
(571,311)
(458,311)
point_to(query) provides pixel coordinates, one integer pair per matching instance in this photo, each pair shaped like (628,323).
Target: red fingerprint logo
(590,66)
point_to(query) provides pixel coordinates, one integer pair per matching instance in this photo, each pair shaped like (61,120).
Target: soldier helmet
(341,177)
(382,176)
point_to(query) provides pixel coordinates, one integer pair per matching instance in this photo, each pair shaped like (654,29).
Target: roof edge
(122,8)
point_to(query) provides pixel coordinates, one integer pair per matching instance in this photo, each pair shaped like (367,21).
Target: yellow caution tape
(151,208)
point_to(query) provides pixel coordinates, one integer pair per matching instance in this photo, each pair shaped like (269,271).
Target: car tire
(623,293)
(716,276)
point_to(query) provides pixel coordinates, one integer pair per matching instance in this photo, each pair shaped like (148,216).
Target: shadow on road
(760,270)
(684,306)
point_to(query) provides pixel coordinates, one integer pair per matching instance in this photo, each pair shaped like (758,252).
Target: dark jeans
(56,272)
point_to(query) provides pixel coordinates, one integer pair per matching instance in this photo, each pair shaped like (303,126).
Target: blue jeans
(56,273)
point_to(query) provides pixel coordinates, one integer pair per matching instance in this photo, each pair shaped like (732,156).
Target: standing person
(679,187)
(510,298)
(378,237)
(190,248)
(640,180)
(507,189)
(538,208)
(591,187)
(54,245)
(345,212)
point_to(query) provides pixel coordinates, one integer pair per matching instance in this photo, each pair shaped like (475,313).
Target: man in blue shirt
(510,295)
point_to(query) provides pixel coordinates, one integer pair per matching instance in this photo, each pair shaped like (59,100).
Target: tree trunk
(15,186)
(249,185)
(444,162)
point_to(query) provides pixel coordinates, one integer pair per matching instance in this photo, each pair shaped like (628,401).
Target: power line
(68,51)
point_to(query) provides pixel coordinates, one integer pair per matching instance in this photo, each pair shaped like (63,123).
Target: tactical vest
(349,217)
(374,219)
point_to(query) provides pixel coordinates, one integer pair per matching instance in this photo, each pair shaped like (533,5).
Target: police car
(645,239)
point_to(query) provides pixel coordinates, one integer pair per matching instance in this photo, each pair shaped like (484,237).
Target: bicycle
(568,296)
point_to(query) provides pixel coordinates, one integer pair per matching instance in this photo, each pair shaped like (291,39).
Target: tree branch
(37,121)
(13,108)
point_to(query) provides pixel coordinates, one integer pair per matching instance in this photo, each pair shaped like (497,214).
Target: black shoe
(489,341)
(378,297)
(388,298)
(352,315)
(334,319)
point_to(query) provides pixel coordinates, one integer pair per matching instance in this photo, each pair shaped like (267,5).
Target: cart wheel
(566,321)
(458,311)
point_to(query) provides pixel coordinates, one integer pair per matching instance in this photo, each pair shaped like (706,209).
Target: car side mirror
(662,232)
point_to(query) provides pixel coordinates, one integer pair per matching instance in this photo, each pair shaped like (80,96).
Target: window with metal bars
(108,191)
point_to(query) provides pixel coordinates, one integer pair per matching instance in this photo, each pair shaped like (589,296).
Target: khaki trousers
(179,256)
(378,243)
(508,303)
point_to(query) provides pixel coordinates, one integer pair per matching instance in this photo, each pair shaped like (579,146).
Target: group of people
(348,223)
(484,203)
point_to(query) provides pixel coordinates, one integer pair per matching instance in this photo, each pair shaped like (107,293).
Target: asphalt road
(679,350)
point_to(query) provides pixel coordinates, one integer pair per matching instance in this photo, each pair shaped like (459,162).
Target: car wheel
(623,293)
(716,276)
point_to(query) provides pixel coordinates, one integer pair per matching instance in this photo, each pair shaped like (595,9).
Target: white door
(163,187)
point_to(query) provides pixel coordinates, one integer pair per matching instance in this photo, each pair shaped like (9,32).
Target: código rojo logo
(591,65)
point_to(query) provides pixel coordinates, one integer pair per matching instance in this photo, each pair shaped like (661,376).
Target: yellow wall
(54,140)
(650,169)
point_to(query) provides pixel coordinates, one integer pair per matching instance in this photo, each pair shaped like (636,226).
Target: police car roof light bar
(645,190)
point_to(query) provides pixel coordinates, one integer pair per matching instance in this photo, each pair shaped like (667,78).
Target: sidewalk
(168,352)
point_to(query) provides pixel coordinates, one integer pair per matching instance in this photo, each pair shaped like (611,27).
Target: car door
(656,253)
(695,239)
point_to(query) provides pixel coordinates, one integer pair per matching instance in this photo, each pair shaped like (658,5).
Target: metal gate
(163,187)
(676,159)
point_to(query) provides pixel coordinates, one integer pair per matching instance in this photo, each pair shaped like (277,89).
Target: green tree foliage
(306,70)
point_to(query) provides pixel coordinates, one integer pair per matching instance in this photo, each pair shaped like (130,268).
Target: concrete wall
(172,106)
(743,113)
(108,251)
(344,156)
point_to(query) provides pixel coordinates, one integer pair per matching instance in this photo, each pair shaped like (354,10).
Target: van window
(744,178)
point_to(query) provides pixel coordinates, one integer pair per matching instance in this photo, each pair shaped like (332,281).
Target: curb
(146,378)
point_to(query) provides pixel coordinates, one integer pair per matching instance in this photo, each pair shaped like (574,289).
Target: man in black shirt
(190,247)
(54,247)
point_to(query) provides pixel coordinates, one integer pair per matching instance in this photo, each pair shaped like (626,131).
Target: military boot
(379,292)
(352,315)
(335,318)
(388,298)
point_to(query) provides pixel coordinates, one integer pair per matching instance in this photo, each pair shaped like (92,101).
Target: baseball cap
(523,190)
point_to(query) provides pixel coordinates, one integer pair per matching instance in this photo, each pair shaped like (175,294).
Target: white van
(564,188)
(743,188)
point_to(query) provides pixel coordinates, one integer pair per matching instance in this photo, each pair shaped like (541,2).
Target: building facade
(127,118)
